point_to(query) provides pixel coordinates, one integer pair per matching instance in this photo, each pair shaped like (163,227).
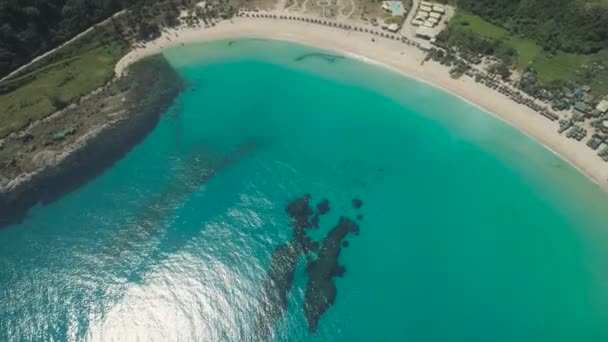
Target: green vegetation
(589,70)
(54,82)
(575,26)
(86,64)
(514,49)
(474,35)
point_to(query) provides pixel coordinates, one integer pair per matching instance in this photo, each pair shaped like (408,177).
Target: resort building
(393,28)
(422,16)
(435,15)
(581,107)
(426,8)
(433,21)
(417,22)
(394,7)
(425,32)
(428,24)
(438,9)
(602,107)
(425,3)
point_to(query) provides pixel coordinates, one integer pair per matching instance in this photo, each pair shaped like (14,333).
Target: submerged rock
(321,291)
(323,207)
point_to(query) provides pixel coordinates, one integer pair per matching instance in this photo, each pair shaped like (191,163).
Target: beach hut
(435,15)
(393,27)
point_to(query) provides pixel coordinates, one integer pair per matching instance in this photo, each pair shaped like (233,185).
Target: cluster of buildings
(428,15)
(427,19)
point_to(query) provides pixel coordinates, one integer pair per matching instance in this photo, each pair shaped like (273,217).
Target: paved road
(408,30)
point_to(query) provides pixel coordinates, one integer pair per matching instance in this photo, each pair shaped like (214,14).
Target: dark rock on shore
(150,87)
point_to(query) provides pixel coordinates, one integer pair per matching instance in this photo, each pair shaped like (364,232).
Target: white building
(602,107)
(434,21)
(438,9)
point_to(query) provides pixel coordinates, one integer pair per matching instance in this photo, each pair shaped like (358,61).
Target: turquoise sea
(468,230)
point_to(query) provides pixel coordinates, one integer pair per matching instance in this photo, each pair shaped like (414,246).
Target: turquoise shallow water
(470,230)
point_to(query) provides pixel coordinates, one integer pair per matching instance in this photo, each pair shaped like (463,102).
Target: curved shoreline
(397,57)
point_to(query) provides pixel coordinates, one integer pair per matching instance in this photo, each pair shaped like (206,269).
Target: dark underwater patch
(323,56)
(320,291)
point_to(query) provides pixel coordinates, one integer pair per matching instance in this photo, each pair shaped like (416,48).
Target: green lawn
(578,68)
(475,24)
(72,72)
(526,49)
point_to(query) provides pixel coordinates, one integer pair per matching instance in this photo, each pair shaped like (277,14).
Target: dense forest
(28,28)
(578,26)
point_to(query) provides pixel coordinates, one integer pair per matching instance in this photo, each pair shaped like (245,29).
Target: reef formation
(321,270)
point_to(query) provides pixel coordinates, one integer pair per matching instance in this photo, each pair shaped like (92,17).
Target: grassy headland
(56,81)
(56,157)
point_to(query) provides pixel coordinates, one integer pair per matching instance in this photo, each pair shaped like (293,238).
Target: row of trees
(578,26)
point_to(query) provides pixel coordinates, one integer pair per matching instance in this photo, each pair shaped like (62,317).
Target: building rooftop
(438,9)
(426,32)
(602,107)
(435,15)
(417,22)
(393,27)
(422,15)
(581,107)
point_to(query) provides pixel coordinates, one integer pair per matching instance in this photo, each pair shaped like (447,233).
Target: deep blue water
(470,231)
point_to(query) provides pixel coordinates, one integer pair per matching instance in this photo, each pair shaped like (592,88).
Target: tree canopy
(30,27)
(578,26)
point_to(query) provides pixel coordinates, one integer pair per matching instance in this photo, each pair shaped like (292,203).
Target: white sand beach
(399,57)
